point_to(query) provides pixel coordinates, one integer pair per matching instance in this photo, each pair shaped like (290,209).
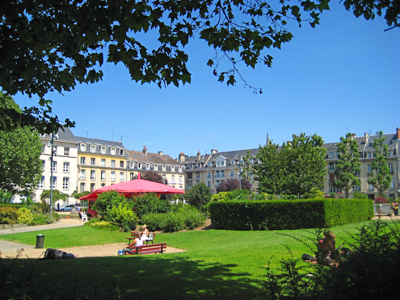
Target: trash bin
(39,241)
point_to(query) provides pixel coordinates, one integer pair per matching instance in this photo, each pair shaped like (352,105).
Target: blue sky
(342,75)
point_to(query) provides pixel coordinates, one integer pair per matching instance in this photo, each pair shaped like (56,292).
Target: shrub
(359,195)
(123,216)
(193,219)
(153,221)
(150,203)
(173,222)
(380,200)
(24,216)
(40,219)
(198,196)
(8,215)
(106,201)
(103,225)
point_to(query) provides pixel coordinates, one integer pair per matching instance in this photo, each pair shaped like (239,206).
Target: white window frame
(113,163)
(54,166)
(121,176)
(112,151)
(65,183)
(112,176)
(92,174)
(103,150)
(83,175)
(66,151)
(41,183)
(83,147)
(92,161)
(103,175)
(83,160)
(103,162)
(92,148)
(66,167)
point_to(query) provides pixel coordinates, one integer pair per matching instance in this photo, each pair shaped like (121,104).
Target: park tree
(348,165)
(246,166)
(199,196)
(379,168)
(20,149)
(51,46)
(295,168)
(233,184)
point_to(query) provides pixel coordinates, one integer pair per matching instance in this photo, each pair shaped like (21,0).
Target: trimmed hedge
(283,214)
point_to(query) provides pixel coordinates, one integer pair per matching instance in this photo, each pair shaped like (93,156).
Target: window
(103,175)
(390,153)
(131,175)
(121,151)
(216,174)
(356,172)
(82,187)
(331,167)
(121,176)
(180,169)
(189,184)
(370,187)
(369,169)
(53,182)
(41,183)
(392,184)
(42,148)
(112,163)
(155,167)
(209,183)
(232,173)
(103,185)
(232,162)
(92,174)
(103,162)
(369,154)
(43,164)
(55,150)
(103,150)
(139,165)
(163,167)
(197,176)
(356,188)
(112,150)
(173,178)
(83,147)
(208,175)
(223,173)
(66,151)
(331,189)
(54,166)
(390,168)
(83,160)
(180,178)
(216,183)
(83,174)
(92,187)
(147,166)
(121,164)
(112,175)
(251,160)
(93,161)
(93,148)
(66,167)
(331,154)
(65,183)
(209,164)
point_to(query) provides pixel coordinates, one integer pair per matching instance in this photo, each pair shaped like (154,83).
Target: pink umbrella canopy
(134,188)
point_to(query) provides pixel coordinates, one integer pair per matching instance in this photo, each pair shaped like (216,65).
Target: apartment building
(65,157)
(143,161)
(100,163)
(366,152)
(215,168)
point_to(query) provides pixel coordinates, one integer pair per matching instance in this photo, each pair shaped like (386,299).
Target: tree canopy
(51,46)
(293,169)
(233,184)
(348,165)
(20,149)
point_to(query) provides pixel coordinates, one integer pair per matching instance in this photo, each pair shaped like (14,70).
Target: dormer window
(93,148)
(112,151)
(83,147)
(331,154)
(233,162)
(121,151)
(163,167)
(103,150)
(209,164)
(172,168)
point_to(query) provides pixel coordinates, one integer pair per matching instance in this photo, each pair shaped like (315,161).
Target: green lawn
(217,264)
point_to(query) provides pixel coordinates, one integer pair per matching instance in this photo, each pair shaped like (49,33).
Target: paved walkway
(11,246)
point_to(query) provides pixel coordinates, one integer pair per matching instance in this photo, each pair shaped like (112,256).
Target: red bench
(149,249)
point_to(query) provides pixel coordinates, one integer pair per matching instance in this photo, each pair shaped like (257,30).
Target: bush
(153,221)
(8,215)
(193,219)
(380,200)
(173,222)
(150,203)
(359,276)
(24,216)
(103,225)
(123,216)
(106,201)
(40,219)
(199,196)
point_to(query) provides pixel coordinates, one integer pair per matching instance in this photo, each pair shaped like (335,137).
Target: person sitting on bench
(144,233)
(137,242)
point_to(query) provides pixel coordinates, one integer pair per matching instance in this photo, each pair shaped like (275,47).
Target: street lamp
(240,163)
(51,174)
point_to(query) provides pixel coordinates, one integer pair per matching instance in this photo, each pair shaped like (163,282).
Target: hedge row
(283,214)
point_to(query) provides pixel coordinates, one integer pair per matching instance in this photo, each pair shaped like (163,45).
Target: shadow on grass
(167,276)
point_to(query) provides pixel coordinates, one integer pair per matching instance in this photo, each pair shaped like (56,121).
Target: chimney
(353,136)
(366,137)
(398,133)
(182,157)
(160,153)
(144,150)
(213,151)
(198,155)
